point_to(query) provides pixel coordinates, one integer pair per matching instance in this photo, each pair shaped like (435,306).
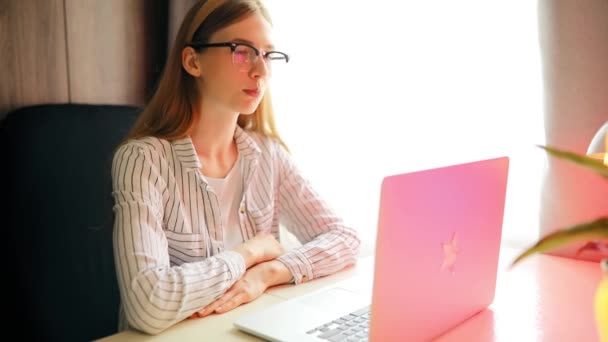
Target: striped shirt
(168,237)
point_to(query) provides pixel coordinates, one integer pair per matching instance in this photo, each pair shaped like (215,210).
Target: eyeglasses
(244,56)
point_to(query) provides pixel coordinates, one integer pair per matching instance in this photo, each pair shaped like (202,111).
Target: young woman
(203,180)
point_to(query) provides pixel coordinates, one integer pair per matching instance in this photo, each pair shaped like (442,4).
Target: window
(385,87)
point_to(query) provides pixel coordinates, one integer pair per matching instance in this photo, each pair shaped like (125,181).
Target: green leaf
(597,229)
(594,164)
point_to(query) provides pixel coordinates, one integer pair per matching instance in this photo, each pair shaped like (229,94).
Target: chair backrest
(57,218)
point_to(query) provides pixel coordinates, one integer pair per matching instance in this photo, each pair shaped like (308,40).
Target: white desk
(546,298)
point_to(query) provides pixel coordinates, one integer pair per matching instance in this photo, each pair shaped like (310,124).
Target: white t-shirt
(229,191)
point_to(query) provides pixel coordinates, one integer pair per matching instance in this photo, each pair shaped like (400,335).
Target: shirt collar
(186,153)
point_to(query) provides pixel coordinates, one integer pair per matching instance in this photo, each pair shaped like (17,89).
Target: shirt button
(242,210)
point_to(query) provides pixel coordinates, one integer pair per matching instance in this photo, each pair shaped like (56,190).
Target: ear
(190,62)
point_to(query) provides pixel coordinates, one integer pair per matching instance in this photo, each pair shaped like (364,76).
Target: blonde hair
(170,113)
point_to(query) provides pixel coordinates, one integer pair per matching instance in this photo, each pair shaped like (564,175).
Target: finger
(215,304)
(208,309)
(231,304)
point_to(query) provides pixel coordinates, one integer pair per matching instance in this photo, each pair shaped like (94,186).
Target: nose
(260,68)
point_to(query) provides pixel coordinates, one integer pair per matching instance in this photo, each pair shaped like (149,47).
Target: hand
(263,247)
(253,283)
(249,287)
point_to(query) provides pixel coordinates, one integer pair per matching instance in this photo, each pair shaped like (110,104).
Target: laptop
(435,263)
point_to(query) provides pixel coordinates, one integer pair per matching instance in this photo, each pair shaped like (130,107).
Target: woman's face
(227,85)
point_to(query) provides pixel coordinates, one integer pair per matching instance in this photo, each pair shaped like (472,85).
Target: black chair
(57,223)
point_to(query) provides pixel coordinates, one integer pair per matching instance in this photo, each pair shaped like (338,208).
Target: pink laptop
(437,248)
(435,265)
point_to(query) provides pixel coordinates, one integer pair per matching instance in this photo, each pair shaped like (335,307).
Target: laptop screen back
(437,248)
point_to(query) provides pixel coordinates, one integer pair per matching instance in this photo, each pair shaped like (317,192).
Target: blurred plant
(594,232)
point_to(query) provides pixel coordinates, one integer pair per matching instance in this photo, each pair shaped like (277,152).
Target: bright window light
(386,87)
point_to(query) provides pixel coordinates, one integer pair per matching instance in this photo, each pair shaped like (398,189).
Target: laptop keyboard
(351,327)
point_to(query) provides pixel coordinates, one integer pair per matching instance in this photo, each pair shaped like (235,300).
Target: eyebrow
(241,40)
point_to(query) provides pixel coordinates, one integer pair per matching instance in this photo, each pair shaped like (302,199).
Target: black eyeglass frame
(233,46)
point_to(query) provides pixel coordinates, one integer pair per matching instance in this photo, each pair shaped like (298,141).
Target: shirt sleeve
(154,294)
(328,245)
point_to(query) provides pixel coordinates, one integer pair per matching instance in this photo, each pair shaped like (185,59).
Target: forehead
(252,28)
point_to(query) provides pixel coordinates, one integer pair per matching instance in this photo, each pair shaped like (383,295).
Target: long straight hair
(170,113)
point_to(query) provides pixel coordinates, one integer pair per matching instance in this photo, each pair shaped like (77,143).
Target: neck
(213,139)
(214,132)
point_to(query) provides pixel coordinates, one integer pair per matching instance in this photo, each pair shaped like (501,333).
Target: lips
(252,92)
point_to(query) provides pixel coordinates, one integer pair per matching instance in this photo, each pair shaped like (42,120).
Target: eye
(243,54)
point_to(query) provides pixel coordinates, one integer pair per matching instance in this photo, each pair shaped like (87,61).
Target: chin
(249,108)
(247,111)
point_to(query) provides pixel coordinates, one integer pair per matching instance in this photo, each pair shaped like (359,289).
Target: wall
(33,55)
(574,47)
(81,51)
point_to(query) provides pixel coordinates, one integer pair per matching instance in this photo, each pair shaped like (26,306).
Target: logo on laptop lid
(450,252)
